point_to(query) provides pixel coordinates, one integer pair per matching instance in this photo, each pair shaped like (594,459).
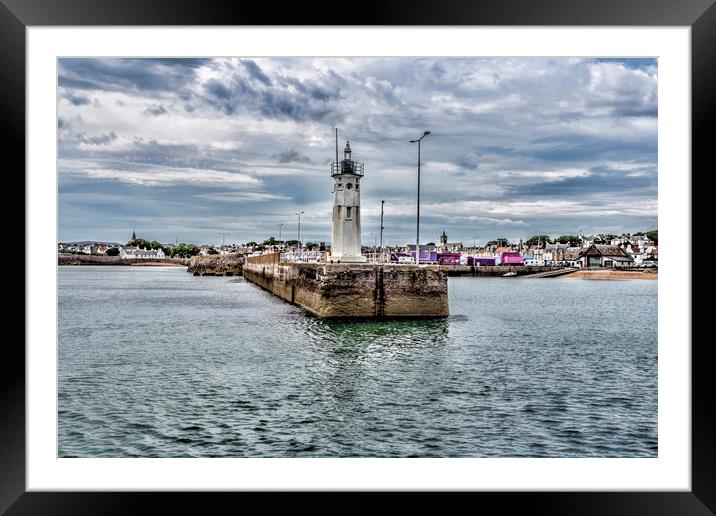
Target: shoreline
(156,264)
(612,275)
(117,260)
(150,264)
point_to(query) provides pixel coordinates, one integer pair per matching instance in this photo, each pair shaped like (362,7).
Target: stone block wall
(216,265)
(355,290)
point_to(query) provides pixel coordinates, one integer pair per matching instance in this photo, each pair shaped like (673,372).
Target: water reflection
(354,357)
(353,342)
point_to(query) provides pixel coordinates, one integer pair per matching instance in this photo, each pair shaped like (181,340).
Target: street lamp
(300,245)
(375,246)
(382,204)
(417,234)
(279,232)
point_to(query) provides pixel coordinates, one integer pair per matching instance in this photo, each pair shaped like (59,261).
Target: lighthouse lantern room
(346,238)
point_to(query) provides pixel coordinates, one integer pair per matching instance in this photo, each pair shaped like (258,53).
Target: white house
(136,253)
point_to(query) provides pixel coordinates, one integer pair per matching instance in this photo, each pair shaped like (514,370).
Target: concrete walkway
(552,274)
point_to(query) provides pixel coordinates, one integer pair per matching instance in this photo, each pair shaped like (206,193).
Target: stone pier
(353,290)
(216,265)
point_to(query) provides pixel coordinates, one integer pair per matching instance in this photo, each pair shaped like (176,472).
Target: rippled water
(155,362)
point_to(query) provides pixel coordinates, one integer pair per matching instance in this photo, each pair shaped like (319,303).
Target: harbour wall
(216,265)
(353,290)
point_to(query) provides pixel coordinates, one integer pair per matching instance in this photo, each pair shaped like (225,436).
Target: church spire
(443,238)
(134,235)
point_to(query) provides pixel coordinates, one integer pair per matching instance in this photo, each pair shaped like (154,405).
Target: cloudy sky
(188,149)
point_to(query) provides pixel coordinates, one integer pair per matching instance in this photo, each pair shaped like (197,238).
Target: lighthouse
(346,239)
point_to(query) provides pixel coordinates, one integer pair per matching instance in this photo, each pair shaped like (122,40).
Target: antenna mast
(337,147)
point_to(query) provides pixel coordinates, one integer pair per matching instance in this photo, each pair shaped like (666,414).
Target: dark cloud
(471,160)
(84,138)
(155,110)
(569,148)
(292,156)
(598,181)
(255,71)
(76,100)
(127,74)
(438,70)
(287,98)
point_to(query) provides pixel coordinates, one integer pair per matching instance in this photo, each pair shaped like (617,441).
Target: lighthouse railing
(347,167)
(305,256)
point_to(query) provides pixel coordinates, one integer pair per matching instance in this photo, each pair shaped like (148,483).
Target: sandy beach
(648,274)
(156,264)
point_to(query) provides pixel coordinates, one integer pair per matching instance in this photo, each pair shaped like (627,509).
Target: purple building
(511,258)
(448,258)
(426,256)
(475,261)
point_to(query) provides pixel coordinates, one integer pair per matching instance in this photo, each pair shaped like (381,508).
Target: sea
(156,362)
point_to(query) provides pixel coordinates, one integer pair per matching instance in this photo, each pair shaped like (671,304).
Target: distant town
(630,250)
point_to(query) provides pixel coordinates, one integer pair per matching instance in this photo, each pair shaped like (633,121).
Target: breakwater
(353,290)
(88,259)
(216,265)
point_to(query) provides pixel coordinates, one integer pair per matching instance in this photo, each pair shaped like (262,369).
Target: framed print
(388,252)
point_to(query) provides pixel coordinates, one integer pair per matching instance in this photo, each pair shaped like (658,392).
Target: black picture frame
(16,15)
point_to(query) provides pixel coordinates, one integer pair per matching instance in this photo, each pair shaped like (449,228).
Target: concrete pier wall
(353,290)
(216,265)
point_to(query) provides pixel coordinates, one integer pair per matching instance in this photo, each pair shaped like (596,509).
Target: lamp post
(279,232)
(300,245)
(417,234)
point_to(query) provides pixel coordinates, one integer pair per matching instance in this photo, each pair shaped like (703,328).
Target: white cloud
(242,196)
(158,175)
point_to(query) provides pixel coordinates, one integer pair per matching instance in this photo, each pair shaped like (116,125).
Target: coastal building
(480,261)
(346,232)
(136,253)
(642,241)
(498,252)
(605,256)
(510,258)
(410,248)
(588,240)
(555,252)
(571,256)
(449,247)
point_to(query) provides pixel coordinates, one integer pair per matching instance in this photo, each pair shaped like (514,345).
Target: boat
(507,274)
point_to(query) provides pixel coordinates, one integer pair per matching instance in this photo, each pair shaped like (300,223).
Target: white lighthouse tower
(345,240)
